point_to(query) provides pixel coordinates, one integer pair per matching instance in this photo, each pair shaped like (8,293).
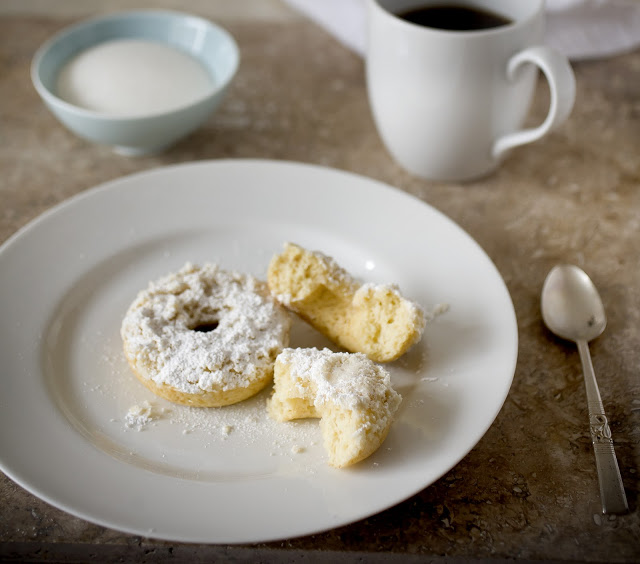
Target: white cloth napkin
(581,29)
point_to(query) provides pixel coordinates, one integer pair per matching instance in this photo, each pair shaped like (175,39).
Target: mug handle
(562,87)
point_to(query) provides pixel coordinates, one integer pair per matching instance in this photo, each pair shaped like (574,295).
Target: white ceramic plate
(231,475)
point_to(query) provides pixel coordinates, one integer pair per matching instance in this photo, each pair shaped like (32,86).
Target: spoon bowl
(571,305)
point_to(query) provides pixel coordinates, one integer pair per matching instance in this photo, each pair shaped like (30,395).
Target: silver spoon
(572,309)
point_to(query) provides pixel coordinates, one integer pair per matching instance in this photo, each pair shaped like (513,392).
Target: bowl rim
(52,98)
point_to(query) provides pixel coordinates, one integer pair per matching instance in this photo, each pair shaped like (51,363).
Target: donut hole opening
(206,327)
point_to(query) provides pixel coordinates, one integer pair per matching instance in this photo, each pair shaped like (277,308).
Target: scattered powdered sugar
(246,424)
(245,329)
(437,311)
(139,416)
(238,420)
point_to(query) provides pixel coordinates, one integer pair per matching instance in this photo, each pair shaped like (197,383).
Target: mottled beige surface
(528,490)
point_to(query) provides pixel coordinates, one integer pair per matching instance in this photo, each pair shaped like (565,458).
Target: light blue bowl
(214,47)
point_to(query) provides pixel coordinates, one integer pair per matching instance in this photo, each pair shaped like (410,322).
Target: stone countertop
(528,490)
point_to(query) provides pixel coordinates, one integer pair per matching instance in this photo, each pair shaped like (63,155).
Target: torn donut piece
(372,319)
(350,394)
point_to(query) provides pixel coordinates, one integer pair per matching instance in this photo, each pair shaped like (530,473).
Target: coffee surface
(454,17)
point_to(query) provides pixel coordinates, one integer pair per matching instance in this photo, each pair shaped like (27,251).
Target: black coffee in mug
(454,17)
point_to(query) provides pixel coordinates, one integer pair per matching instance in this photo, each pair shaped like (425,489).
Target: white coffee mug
(450,104)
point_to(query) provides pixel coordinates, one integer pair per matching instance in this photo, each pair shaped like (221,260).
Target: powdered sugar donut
(204,337)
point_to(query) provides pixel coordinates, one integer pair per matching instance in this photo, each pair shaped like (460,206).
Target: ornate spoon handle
(612,493)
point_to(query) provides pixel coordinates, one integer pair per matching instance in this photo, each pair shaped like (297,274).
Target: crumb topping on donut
(348,380)
(204,327)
